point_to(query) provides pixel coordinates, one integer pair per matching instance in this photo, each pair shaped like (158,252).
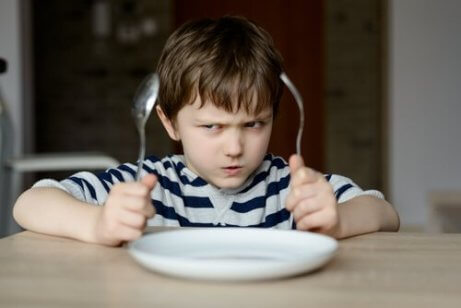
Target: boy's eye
(211,126)
(254,124)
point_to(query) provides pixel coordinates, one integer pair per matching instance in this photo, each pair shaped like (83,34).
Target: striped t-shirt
(181,198)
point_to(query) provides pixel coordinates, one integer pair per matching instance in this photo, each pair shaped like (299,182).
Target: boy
(219,93)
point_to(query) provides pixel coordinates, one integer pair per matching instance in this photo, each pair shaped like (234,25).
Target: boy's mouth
(232,170)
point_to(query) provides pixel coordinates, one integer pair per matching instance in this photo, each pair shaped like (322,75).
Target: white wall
(425,103)
(10,49)
(15,88)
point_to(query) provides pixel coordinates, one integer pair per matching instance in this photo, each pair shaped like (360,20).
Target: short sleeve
(81,191)
(345,189)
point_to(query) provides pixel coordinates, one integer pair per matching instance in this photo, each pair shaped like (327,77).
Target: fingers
(318,213)
(304,175)
(125,213)
(137,204)
(149,211)
(149,181)
(300,174)
(126,233)
(130,188)
(135,196)
(321,221)
(142,188)
(307,191)
(130,203)
(305,183)
(132,219)
(299,193)
(311,200)
(295,162)
(305,207)
(115,225)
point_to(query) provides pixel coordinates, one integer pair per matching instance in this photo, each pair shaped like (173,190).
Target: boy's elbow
(391,218)
(22,208)
(19,207)
(396,226)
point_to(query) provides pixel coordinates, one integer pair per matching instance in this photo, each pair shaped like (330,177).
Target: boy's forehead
(209,108)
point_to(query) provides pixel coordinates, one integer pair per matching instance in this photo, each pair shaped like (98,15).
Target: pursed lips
(232,170)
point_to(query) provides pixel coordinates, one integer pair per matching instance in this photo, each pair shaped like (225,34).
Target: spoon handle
(142,151)
(299,102)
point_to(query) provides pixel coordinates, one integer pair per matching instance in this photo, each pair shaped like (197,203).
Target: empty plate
(232,253)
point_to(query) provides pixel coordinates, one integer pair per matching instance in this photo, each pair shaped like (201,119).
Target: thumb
(149,180)
(295,162)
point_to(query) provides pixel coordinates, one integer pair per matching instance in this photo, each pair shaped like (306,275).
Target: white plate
(233,253)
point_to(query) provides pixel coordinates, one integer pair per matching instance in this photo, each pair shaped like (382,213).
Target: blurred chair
(11,167)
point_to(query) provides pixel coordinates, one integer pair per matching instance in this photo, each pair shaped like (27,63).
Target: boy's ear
(168,124)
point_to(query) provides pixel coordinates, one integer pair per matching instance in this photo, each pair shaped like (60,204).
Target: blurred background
(380,80)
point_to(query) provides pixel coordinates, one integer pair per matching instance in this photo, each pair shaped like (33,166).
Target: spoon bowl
(143,103)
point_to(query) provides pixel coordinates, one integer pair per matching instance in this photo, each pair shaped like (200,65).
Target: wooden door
(297,29)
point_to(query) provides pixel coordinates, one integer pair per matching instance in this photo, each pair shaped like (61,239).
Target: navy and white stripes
(181,198)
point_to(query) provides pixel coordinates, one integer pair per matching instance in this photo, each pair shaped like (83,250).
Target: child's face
(221,147)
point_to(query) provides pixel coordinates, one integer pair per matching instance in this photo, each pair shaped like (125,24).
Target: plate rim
(197,268)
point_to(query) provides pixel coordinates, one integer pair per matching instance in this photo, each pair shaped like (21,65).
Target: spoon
(300,103)
(143,103)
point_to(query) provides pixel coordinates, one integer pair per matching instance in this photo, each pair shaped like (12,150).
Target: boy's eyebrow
(264,116)
(259,117)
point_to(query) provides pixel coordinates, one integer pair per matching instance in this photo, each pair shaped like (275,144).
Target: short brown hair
(217,59)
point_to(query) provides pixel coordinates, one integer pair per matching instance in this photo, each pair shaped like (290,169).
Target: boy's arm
(365,214)
(55,212)
(312,202)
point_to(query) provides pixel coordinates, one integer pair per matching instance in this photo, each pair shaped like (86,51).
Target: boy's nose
(234,145)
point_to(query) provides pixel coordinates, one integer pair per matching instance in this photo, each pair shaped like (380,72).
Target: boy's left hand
(311,199)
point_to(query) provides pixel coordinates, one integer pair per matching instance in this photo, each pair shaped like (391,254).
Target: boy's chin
(229,183)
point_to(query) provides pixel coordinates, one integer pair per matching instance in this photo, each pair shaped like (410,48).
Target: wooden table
(374,270)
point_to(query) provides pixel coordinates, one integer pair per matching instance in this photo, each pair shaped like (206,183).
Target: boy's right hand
(125,213)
